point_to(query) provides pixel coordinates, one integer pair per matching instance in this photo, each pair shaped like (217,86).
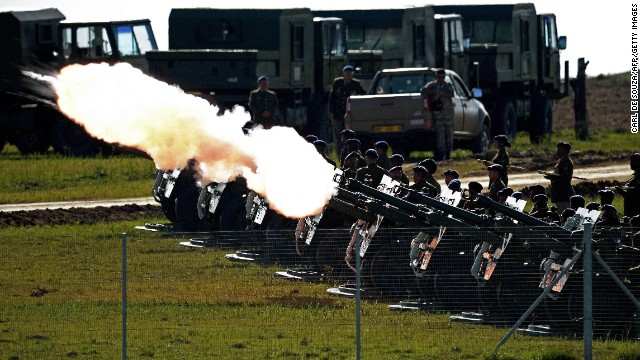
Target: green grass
(194,304)
(52,177)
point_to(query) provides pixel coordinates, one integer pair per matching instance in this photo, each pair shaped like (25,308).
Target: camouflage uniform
(340,92)
(561,189)
(494,187)
(424,187)
(443,118)
(434,183)
(502,158)
(632,196)
(373,171)
(260,101)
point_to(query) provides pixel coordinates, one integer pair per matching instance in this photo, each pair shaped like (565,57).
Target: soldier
(439,93)
(504,194)
(345,135)
(455,185)
(396,173)
(631,190)
(431,167)
(561,189)
(495,182)
(543,212)
(576,202)
(383,160)
(501,142)
(398,160)
(609,216)
(372,172)
(566,214)
(533,191)
(593,206)
(321,147)
(354,145)
(471,203)
(450,175)
(606,197)
(342,88)
(517,195)
(351,165)
(263,104)
(420,183)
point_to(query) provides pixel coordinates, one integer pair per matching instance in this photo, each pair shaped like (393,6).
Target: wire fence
(430,292)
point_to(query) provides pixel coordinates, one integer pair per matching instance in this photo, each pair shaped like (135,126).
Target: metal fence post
(587,261)
(357,230)
(124,296)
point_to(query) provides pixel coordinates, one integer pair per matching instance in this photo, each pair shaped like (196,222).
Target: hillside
(607,104)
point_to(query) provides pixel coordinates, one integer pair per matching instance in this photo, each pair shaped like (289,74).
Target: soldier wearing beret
(631,189)
(345,135)
(455,185)
(561,189)
(263,104)
(606,197)
(420,183)
(450,175)
(504,194)
(311,138)
(341,89)
(351,165)
(533,191)
(396,173)
(471,203)
(576,202)
(543,212)
(352,145)
(371,174)
(501,142)
(398,160)
(609,216)
(495,182)
(431,167)
(383,160)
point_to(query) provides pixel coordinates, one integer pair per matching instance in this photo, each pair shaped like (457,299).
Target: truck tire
(33,142)
(508,120)
(542,126)
(481,143)
(70,138)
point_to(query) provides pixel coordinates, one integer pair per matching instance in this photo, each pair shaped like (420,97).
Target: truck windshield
(133,40)
(402,84)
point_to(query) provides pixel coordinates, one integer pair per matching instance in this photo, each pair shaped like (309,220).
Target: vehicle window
(400,84)
(460,89)
(92,42)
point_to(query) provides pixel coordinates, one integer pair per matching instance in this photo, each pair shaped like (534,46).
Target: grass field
(60,297)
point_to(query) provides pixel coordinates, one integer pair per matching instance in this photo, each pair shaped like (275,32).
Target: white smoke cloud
(120,104)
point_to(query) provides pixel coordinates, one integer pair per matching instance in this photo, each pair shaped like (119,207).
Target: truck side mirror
(562,42)
(476,93)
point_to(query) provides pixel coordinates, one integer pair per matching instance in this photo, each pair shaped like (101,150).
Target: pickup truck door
(468,107)
(458,108)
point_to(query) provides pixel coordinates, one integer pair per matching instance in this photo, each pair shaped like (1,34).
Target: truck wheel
(71,139)
(32,142)
(543,125)
(481,143)
(508,120)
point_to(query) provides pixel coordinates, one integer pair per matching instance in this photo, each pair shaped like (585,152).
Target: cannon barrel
(430,217)
(551,230)
(462,214)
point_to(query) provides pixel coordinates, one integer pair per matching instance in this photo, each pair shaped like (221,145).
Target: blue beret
(420,169)
(429,164)
(353,154)
(320,143)
(452,172)
(347,68)
(495,167)
(311,138)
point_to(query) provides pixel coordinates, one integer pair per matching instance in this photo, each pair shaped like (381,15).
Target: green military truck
(395,111)
(41,42)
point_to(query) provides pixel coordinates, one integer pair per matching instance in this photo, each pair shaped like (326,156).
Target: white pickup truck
(394,111)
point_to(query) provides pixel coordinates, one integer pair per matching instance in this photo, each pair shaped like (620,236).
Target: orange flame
(120,104)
